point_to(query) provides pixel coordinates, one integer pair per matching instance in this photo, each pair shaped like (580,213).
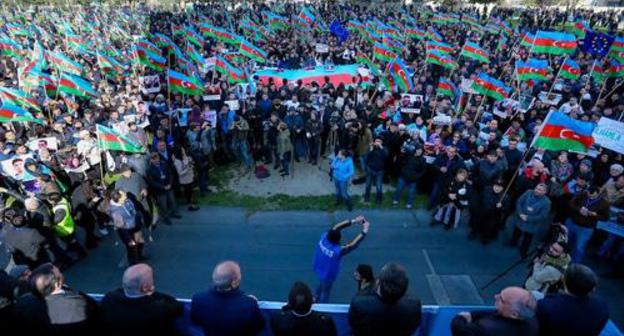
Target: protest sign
(233,104)
(50,143)
(609,134)
(466,86)
(149,84)
(322,48)
(552,99)
(14,167)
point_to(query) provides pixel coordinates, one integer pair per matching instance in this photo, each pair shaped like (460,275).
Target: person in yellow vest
(64,226)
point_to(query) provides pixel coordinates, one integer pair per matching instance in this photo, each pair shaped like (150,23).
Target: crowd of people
(87,145)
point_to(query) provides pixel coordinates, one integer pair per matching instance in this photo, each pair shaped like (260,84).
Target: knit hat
(587,162)
(617,167)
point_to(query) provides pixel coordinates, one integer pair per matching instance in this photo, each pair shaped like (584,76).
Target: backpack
(261,172)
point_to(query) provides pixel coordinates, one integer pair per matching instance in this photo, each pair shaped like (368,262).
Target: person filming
(329,253)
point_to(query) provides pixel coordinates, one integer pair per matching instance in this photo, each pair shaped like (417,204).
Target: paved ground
(305,180)
(276,248)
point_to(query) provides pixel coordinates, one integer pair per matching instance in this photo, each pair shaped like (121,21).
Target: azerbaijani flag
(580,29)
(381,52)
(474,51)
(192,36)
(194,54)
(550,42)
(415,32)
(150,59)
(63,63)
(110,65)
(307,17)
(560,132)
(532,69)
(355,25)
(446,88)
(400,74)
(441,59)
(109,139)
(432,34)
(181,83)
(251,51)
(617,47)
(10,112)
(233,74)
(147,45)
(75,85)
(361,58)
(10,48)
(570,69)
(490,87)
(598,71)
(440,46)
(19,97)
(616,69)
(470,20)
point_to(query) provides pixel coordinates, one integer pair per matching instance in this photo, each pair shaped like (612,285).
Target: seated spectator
(225,310)
(514,315)
(547,270)
(137,308)
(389,311)
(54,309)
(575,312)
(297,317)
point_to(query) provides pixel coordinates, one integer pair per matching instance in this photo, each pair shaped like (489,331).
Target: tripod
(531,255)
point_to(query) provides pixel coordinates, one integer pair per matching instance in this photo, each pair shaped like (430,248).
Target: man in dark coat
(575,312)
(160,182)
(225,310)
(297,317)
(388,312)
(137,309)
(445,165)
(514,316)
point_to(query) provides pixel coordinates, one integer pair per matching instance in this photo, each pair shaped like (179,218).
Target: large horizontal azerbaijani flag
(550,42)
(532,69)
(561,132)
(109,139)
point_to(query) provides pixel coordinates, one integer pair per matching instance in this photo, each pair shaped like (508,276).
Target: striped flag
(570,69)
(75,85)
(446,88)
(532,69)
(400,74)
(491,87)
(19,97)
(443,60)
(109,139)
(183,84)
(550,42)
(10,112)
(233,74)
(251,51)
(474,51)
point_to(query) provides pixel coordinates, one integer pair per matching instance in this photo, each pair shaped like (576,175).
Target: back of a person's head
(580,280)
(334,236)
(45,279)
(226,276)
(393,282)
(366,272)
(300,298)
(138,280)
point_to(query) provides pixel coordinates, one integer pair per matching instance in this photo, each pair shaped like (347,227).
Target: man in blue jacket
(329,253)
(225,310)
(342,171)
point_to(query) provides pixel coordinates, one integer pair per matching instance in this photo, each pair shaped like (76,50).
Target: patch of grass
(286,202)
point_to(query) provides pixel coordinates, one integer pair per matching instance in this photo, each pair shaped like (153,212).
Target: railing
(436,320)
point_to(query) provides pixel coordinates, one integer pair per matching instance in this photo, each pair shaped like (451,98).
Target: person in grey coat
(532,209)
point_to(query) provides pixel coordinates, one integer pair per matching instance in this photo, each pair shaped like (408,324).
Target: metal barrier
(436,320)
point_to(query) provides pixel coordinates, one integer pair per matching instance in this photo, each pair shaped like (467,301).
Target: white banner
(610,134)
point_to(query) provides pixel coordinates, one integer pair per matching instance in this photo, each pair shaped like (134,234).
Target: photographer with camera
(329,253)
(375,164)
(547,269)
(413,167)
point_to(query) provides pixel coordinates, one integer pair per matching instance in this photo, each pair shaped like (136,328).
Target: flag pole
(97,135)
(604,82)
(526,153)
(557,76)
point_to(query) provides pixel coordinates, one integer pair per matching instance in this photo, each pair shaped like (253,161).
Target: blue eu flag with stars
(596,43)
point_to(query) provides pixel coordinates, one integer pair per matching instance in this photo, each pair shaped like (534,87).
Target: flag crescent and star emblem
(567,133)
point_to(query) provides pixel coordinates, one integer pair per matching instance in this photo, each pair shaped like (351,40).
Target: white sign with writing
(466,86)
(322,48)
(610,134)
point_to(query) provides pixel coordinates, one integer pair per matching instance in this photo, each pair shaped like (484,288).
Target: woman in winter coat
(454,198)
(186,175)
(532,209)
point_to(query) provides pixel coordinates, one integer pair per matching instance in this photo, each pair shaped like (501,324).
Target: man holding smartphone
(329,253)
